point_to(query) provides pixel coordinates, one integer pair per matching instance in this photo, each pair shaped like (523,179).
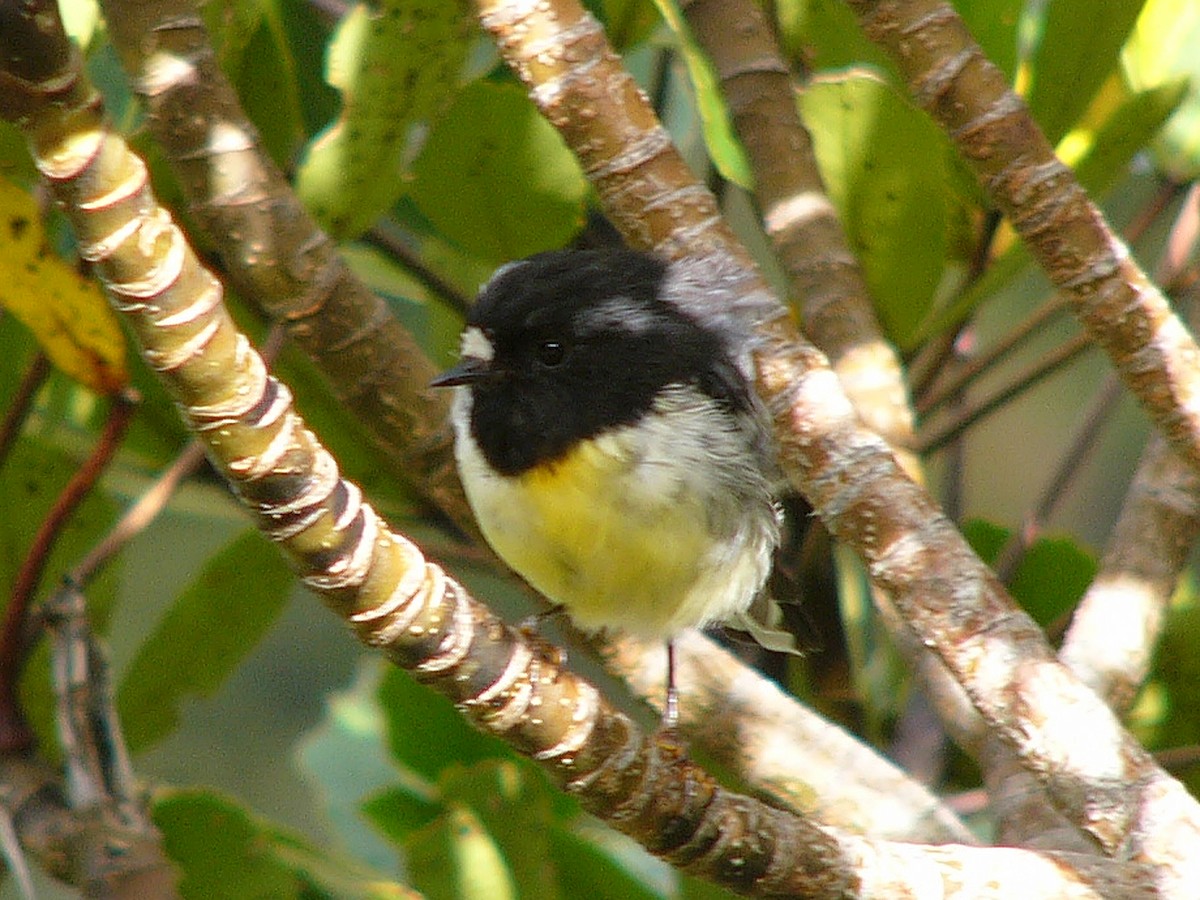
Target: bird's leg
(670,716)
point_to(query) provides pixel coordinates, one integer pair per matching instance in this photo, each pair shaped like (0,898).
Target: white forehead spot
(476,345)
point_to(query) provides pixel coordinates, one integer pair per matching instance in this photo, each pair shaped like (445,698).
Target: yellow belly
(617,543)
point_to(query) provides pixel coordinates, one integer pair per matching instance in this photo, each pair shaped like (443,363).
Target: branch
(761,736)
(1111,787)
(1122,310)
(808,237)
(381,584)
(275,254)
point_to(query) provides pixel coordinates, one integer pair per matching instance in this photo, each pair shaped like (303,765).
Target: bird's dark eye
(551,353)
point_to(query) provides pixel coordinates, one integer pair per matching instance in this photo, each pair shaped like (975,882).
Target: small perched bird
(610,441)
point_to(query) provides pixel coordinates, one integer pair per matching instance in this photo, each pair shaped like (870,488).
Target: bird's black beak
(469,370)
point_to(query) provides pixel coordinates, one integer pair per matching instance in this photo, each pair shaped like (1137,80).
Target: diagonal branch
(1122,310)
(381,584)
(1093,771)
(803,225)
(275,254)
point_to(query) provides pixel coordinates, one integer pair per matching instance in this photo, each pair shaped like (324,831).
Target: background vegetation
(285,761)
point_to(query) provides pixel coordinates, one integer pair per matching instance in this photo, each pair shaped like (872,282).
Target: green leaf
(496,178)
(225,852)
(1100,155)
(1052,578)
(1052,575)
(425,732)
(395,63)
(231,26)
(220,849)
(724,149)
(1162,50)
(266,85)
(1076,51)
(883,163)
(626,22)
(398,812)
(511,800)
(592,870)
(453,858)
(209,629)
(1109,149)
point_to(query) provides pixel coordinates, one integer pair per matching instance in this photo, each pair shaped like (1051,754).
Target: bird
(610,442)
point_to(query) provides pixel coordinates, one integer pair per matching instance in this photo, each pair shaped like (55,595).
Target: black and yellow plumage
(610,442)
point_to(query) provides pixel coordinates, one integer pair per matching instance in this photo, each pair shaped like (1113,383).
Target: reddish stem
(14,642)
(35,376)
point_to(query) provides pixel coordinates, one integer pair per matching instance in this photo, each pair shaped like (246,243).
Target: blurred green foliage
(416,120)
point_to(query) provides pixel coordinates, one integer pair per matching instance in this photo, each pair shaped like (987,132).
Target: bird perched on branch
(610,441)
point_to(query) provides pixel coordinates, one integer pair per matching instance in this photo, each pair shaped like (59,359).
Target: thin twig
(384,237)
(14,855)
(1068,469)
(1182,239)
(968,373)
(140,514)
(14,420)
(1044,367)
(933,356)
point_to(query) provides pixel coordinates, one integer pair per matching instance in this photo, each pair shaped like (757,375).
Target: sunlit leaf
(724,149)
(66,311)
(1101,154)
(1100,151)
(1161,50)
(454,858)
(81,20)
(1076,51)
(395,63)
(512,801)
(882,162)
(496,178)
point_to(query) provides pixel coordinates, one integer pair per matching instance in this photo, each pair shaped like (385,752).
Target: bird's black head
(568,344)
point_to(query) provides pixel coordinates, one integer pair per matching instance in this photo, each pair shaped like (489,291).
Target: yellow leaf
(66,311)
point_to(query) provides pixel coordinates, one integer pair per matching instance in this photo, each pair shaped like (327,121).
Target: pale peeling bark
(275,254)
(1113,633)
(1094,772)
(380,583)
(760,735)
(1122,310)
